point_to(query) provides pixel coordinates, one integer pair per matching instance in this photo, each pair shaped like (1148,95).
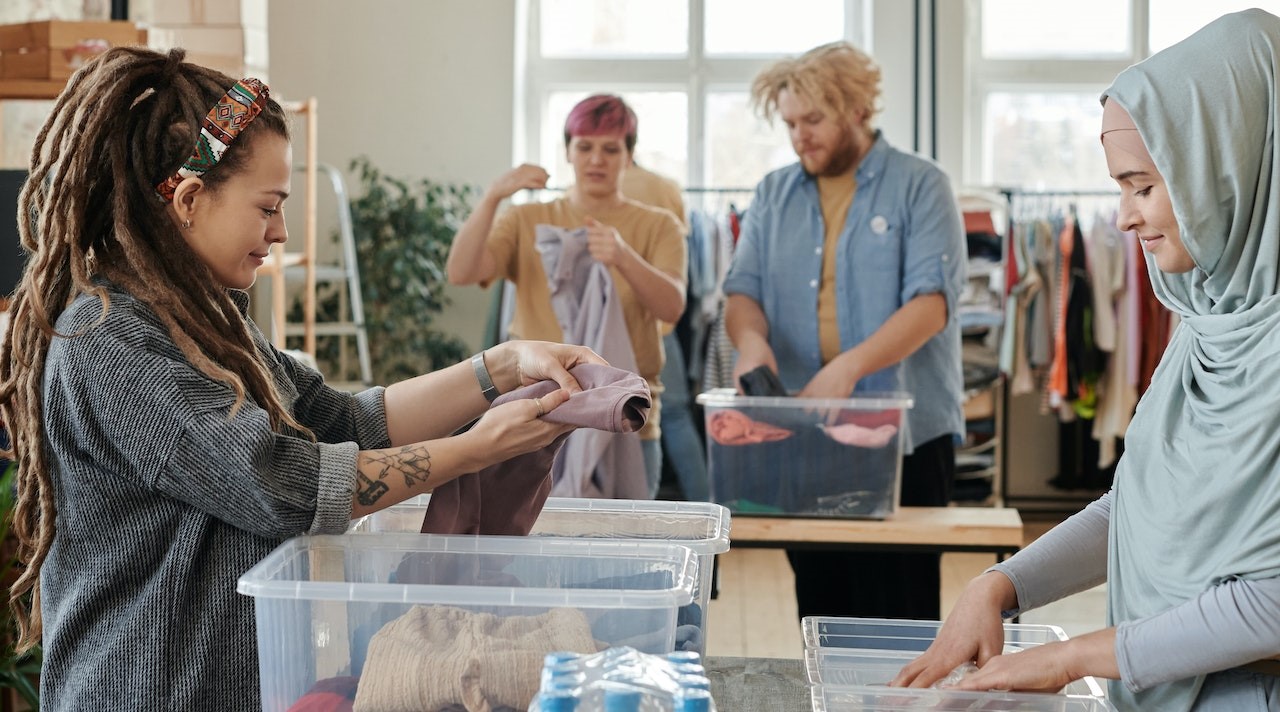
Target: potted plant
(403,230)
(18,672)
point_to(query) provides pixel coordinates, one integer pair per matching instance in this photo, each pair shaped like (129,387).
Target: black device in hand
(761,381)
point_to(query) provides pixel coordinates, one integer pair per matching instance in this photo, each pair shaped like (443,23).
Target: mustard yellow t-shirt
(644,186)
(836,195)
(652,232)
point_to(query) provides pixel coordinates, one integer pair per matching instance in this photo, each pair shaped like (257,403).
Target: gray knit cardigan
(164,499)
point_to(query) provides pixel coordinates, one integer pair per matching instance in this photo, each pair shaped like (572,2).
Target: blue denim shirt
(903,237)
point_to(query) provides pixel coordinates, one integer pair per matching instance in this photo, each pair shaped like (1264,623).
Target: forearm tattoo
(368,491)
(412,462)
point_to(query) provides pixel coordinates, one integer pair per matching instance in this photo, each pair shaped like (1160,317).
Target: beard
(839,159)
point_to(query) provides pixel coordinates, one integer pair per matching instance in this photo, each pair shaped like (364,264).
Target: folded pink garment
(507,497)
(858,436)
(731,427)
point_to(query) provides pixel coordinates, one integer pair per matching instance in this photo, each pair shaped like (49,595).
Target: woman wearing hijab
(1189,537)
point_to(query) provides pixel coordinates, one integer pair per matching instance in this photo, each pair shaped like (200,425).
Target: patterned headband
(233,112)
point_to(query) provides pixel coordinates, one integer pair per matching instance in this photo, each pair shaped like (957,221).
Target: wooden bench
(996,530)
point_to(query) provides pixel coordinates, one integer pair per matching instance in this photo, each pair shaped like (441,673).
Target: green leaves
(16,671)
(403,231)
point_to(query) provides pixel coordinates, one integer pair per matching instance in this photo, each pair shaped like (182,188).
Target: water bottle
(694,700)
(558,701)
(622,701)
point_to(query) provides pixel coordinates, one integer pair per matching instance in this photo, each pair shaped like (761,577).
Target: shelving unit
(980,462)
(981,456)
(31,88)
(282,259)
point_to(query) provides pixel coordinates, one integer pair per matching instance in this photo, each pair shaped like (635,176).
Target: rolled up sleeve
(934,250)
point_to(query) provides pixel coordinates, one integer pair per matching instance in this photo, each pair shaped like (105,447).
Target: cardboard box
(198,12)
(204,40)
(231,66)
(55,49)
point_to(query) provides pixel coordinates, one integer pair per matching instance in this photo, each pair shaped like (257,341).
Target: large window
(685,66)
(1036,70)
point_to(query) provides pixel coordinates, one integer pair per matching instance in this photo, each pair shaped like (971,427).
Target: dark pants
(882,584)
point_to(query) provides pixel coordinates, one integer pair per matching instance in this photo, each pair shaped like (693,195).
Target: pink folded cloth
(858,436)
(730,427)
(507,497)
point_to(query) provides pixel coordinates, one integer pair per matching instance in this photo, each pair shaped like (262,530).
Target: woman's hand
(518,178)
(973,632)
(521,363)
(517,427)
(1048,667)
(606,245)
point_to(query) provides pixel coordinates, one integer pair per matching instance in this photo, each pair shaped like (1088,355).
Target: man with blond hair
(845,281)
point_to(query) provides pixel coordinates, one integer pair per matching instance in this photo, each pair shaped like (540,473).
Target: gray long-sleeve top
(1228,625)
(164,499)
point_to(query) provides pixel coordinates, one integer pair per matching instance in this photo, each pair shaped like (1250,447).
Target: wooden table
(997,530)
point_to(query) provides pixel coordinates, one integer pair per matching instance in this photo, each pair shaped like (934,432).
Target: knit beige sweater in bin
(435,656)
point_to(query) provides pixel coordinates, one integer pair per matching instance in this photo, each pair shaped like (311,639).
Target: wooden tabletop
(995,529)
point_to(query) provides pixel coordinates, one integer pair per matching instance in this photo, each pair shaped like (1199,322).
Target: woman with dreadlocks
(164,447)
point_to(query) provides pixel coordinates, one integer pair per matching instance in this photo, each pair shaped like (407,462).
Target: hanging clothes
(589,313)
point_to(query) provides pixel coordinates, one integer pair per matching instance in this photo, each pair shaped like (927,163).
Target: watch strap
(487,388)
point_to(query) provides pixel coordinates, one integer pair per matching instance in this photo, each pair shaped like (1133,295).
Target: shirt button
(817,250)
(813,283)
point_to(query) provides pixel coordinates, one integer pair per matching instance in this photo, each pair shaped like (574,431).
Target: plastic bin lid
(852,667)
(278,575)
(729,398)
(908,635)
(830,698)
(712,520)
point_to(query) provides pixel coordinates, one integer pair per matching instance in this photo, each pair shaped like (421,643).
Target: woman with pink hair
(642,247)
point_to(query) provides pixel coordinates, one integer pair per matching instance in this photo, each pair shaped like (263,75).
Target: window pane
(611,28)
(661,138)
(1044,141)
(741,146)
(756,27)
(1019,29)
(1174,20)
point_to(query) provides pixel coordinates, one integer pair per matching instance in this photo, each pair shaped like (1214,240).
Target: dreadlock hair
(88,212)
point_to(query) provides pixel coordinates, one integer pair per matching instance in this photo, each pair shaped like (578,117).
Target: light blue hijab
(1197,493)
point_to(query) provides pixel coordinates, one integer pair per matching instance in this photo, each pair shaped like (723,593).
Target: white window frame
(696,74)
(985,77)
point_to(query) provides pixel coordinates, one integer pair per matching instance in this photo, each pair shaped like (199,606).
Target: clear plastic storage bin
(862,699)
(701,526)
(805,456)
(320,599)
(869,652)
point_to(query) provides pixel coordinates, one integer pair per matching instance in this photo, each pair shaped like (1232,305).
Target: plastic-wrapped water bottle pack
(623,680)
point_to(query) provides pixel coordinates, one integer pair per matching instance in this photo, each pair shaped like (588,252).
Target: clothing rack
(1032,436)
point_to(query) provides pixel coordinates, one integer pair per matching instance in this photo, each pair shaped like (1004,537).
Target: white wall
(424,88)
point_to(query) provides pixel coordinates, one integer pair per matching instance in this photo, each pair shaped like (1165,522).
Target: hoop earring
(186,224)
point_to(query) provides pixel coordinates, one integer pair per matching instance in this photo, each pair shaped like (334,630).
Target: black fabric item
(874,584)
(762,381)
(1078,458)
